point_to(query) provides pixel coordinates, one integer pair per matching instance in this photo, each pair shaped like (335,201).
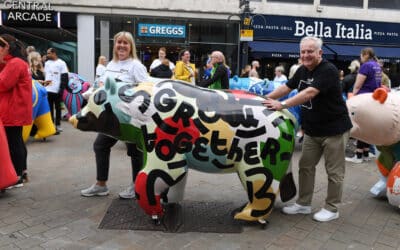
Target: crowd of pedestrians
(325,119)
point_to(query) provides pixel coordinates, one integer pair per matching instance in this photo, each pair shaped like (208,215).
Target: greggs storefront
(276,40)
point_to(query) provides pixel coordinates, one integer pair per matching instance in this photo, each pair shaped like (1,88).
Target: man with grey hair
(254,66)
(326,124)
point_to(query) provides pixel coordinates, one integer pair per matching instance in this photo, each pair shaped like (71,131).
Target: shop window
(213,32)
(347,3)
(387,4)
(293,1)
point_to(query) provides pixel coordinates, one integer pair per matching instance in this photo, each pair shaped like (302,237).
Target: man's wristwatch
(284,106)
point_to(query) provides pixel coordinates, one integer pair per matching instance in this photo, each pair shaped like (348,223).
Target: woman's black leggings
(17,148)
(102,149)
(362,145)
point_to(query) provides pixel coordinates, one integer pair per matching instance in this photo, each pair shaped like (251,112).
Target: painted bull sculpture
(41,114)
(375,117)
(180,126)
(73,93)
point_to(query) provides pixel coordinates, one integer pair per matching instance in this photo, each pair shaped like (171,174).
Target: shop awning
(280,50)
(347,52)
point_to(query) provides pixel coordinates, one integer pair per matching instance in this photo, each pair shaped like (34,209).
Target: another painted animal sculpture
(375,117)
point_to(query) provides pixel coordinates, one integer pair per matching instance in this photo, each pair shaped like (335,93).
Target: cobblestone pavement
(49,213)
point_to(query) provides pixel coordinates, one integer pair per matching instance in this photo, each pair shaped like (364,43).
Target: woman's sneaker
(354,159)
(95,190)
(25,177)
(20,183)
(128,193)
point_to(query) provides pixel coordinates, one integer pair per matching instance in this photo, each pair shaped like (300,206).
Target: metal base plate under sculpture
(189,216)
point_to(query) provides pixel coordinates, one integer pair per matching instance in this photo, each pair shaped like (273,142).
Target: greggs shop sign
(161,30)
(29,14)
(330,30)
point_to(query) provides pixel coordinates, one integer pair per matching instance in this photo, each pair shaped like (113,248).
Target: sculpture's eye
(352,113)
(100,97)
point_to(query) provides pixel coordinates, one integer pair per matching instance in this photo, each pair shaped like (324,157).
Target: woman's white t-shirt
(100,69)
(130,70)
(53,70)
(157,62)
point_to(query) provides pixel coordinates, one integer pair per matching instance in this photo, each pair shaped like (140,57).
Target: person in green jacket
(219,74)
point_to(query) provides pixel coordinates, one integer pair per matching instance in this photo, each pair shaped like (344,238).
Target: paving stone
(64,243)
(334,245)
(36,248)
(34,230)
(29,243)
(320,235)
(358,246)
(379,246)
(310,243)
(391,231)
(17,217)
(297,233)
(11,238)
(12,228)
(81,229)
(286,242)
(344,237)
(388,240)
(329,227)
(56,232)
(307,225)
(368,239)
(9,247)
(35,220)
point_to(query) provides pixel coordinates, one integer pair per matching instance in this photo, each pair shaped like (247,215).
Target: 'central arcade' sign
(16,13)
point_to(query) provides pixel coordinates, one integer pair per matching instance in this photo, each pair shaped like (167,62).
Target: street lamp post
(245,19)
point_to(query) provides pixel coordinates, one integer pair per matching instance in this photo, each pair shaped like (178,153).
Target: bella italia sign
(29,14)
(267,27)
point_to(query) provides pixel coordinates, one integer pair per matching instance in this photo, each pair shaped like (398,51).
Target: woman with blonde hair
(101,67)
(125,66)
(36,66)
(350,79)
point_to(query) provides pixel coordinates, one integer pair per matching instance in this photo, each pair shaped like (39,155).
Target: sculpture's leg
(257,181)
(152,183)
(393,186)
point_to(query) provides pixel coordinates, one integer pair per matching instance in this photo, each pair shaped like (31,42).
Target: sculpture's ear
(287,187)
(380,94)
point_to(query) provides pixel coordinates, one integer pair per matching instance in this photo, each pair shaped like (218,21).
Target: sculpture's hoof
(263,223)
(156,220)
(238,210)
